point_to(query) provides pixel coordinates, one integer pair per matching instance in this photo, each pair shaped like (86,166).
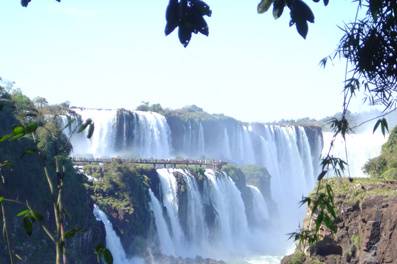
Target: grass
(362,188)
(356,240)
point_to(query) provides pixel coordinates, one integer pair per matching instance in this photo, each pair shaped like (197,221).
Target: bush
(390,174)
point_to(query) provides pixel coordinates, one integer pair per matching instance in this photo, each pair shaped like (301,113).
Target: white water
(113,242)
(165,241)
(360,148)
(228,237)
(290,156)
(259,203)
(125,134)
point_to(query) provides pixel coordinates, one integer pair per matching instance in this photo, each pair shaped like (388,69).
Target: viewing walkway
(155,162)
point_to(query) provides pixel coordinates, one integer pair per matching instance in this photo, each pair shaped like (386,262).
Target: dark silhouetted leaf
(278,8)
(84,125)
(90,130)
(25,3)
(184,35)
(321,175)
(264,5)
(383,125)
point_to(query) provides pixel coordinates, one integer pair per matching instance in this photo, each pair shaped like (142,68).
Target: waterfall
(360,148)
(211,217)
(170,201)
(165,241)
(258,202)
(212,222)
(122,133)
(113,242)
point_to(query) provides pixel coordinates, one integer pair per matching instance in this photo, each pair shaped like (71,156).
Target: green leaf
(5,137)
(18,130)
(103,253)
(28,226)
(31,127)
(2,199)
(331,209)
(329,223)
(319,220)
(23,213)
(29,151)
(6,164)
(71,233)
(30,214)
(330,192)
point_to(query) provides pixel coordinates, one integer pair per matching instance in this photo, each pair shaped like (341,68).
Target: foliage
(356,240)
(121,187)
(297,258)
(34,144)
(146,106)
(369,44)
(103,254)
(188,16)
(385,166)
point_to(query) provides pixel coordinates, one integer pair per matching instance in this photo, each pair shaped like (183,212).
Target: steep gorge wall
(123,192)
(24,181)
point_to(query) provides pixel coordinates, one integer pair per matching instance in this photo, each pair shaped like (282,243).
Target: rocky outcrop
(178,260)
(367,227)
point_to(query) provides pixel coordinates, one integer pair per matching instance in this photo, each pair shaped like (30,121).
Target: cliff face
(367,226)
(23,182)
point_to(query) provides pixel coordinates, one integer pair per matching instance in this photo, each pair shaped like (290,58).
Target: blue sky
(103,53)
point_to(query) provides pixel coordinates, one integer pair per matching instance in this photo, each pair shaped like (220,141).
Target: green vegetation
(297,258)
(195,113)
(44,205)
(256,175)
(356,240)
(360,189)
(385,166)
(120,187)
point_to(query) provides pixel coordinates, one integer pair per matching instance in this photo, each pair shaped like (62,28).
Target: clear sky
(113,53)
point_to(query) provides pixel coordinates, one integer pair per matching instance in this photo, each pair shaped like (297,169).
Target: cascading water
(122,133)
(166,244)
(215,220)
(360,148)
(259,203)
(113,242)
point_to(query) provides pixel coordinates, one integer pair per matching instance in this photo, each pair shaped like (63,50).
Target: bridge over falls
(215,164)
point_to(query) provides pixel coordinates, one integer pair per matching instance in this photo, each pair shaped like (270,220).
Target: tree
(40,102)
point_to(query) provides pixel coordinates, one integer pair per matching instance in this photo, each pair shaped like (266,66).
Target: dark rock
(326,247)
